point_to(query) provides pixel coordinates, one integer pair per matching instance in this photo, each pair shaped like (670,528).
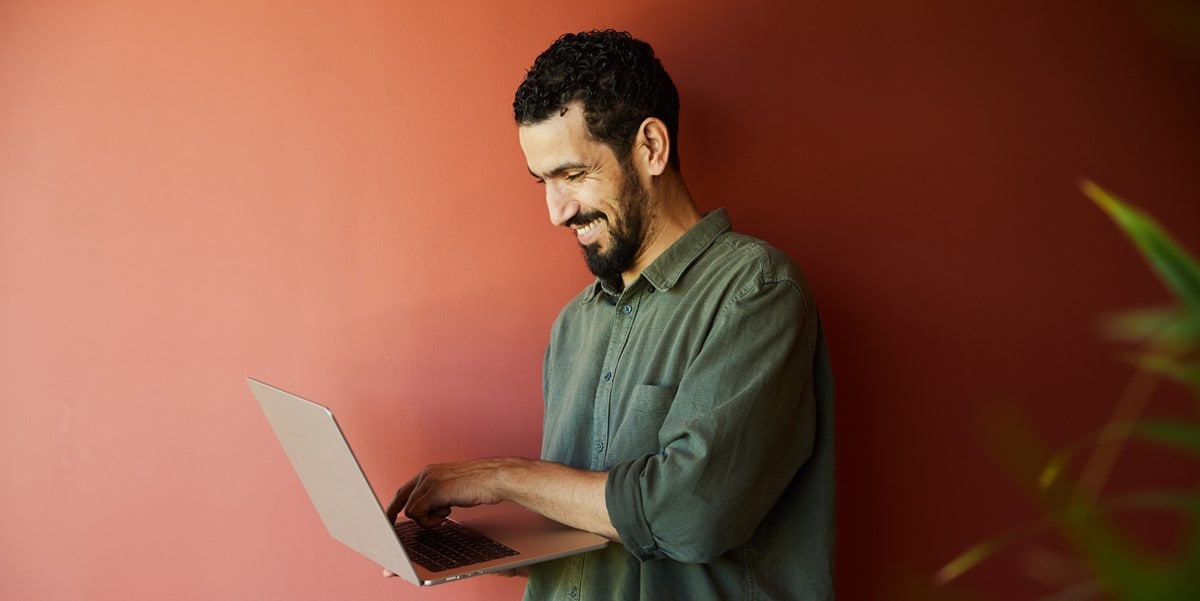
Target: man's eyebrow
(559,170)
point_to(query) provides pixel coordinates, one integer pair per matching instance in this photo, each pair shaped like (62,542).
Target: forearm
(567,495)
(571,496)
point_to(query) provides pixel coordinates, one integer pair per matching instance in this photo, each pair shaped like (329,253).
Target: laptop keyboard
(449,545)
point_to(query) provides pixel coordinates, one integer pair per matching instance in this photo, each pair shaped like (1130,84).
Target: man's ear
(653,145)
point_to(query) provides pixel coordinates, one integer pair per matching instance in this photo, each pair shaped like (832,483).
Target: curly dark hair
(616,77)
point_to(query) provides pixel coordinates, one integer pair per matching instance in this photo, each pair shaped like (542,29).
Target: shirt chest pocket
(635,432)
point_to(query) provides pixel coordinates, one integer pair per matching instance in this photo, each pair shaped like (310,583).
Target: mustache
(585,218)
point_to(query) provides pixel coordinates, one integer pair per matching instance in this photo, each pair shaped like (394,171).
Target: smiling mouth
(587,226)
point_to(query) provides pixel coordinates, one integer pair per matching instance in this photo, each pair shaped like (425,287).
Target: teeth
(587,228)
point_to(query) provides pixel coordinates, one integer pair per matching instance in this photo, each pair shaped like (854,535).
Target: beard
(625,238)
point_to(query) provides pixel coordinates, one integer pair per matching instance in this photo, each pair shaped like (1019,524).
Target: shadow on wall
(920,168)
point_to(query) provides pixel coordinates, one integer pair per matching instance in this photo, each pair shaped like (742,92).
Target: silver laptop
(505,538)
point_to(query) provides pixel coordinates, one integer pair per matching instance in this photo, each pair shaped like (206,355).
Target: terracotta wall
(330,196)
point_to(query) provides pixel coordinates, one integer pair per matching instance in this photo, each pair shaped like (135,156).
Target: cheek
(591,199)
(607,197)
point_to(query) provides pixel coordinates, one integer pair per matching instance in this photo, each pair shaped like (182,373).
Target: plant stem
(1126,413)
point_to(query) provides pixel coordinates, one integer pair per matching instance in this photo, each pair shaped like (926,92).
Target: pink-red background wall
(330,196)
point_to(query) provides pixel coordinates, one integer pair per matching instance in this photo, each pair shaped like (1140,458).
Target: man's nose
(561,204)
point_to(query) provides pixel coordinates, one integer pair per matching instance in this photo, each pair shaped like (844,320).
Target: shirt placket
(624,312)
(575,577)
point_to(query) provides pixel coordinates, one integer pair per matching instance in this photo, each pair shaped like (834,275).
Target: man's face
(589,191)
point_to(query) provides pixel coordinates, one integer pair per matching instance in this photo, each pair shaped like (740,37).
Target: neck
(673,213)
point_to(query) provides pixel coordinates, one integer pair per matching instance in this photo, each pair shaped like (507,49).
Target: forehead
(561,139)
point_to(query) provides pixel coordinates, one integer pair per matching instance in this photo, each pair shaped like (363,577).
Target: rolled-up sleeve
(740,426)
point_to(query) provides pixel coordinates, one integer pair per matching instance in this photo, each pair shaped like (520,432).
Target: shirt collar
(666,270)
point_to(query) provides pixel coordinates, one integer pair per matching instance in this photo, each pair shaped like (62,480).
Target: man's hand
(567,495)
(428,498)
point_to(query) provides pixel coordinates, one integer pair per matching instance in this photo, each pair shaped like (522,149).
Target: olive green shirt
(704,390)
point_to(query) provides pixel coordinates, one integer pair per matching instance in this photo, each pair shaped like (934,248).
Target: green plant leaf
(1177,434)
(1125,567)
(1187,569)
(1186,372)
(1174,265)
(1122,564)
(1129,571)
(1170,326)
(969,559)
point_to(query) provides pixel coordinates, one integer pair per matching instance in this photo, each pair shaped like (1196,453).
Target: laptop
(505,537)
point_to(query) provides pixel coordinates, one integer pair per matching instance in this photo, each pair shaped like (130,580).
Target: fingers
(428,497)
(425,507)
(400,500)
(416,500)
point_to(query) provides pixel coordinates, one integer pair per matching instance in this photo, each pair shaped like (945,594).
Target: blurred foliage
(1073,503)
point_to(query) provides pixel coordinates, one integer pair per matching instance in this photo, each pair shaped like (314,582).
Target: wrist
(510,476)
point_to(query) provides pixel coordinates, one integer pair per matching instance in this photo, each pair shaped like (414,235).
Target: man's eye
(578,175)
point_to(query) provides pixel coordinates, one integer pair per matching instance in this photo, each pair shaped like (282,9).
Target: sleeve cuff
(623,496)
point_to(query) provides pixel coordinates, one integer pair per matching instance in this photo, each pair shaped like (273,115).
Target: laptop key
(449,545)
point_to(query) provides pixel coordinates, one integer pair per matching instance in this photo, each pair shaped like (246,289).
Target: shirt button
(599,447)
(608,376)
(574,591)
(627,309)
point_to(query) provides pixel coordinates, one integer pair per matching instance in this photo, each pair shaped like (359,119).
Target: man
(688,401)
